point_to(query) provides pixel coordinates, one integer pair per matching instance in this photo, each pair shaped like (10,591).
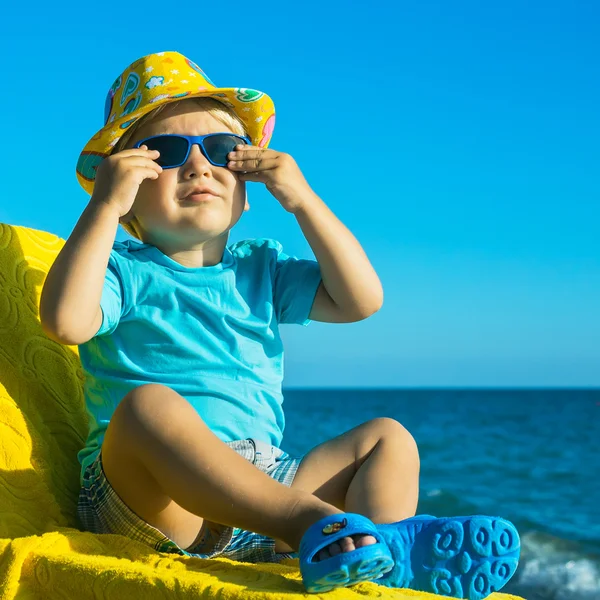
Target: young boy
(178,335)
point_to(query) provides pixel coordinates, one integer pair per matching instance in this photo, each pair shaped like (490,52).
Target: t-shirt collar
(160,258)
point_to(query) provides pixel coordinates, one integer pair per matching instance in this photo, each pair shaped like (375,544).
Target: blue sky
(474,126)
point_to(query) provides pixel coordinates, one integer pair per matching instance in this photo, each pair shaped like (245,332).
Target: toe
(347,544)
(364,540)
(344,545)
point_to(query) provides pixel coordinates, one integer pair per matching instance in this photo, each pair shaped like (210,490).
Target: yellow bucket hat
(158,79)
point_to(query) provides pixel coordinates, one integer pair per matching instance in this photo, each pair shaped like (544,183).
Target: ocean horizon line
(449,388)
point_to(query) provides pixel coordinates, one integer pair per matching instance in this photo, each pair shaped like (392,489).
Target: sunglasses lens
(172,149)
(219,146)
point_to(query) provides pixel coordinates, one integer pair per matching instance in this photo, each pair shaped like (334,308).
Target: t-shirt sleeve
(295,285)
(114,294)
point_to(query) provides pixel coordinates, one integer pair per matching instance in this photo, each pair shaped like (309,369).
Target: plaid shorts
(101,510)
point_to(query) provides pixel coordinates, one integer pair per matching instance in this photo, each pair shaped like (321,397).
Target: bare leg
(372,470)
(162,459)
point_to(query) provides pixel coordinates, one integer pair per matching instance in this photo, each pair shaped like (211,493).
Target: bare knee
(141,396)
(392,431)
(149,409)
(150,403)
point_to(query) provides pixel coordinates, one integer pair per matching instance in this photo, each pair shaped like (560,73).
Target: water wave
(550,568)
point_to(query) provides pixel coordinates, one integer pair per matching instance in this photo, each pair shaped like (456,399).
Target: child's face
(163,216)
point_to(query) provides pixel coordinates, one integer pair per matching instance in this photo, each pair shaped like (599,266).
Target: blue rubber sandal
(462,557)
(347,568)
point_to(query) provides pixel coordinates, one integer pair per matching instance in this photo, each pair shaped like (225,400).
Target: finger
(244,152)
(142,151)
(253,164)
(150,173)
(142,161)
(251,147)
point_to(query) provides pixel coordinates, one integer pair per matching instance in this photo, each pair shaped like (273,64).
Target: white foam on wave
(552,568)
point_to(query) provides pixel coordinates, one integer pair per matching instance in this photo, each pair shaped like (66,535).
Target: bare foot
(346,544)
(305,514)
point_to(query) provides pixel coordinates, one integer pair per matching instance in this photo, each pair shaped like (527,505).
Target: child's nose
(197,158)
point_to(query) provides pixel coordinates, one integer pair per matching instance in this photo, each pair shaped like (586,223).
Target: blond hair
(215,108)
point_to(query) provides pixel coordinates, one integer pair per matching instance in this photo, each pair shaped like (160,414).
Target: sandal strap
(332,528)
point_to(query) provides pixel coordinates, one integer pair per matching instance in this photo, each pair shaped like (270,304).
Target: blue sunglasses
(174,148)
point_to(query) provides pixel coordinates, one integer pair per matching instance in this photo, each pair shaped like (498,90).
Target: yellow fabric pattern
(43,424)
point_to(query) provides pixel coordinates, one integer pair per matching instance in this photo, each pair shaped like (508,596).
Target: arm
(70,303)
(351,289)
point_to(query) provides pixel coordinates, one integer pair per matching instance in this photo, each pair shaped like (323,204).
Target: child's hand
(277,170)
(119,176)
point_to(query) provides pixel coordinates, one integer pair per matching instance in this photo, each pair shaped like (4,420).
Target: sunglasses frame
(195,139)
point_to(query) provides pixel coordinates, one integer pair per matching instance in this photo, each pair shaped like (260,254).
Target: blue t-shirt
(209,333)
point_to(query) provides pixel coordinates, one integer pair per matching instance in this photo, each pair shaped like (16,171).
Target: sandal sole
(468,557)
(351,573)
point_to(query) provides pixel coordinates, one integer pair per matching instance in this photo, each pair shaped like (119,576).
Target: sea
(530,456)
